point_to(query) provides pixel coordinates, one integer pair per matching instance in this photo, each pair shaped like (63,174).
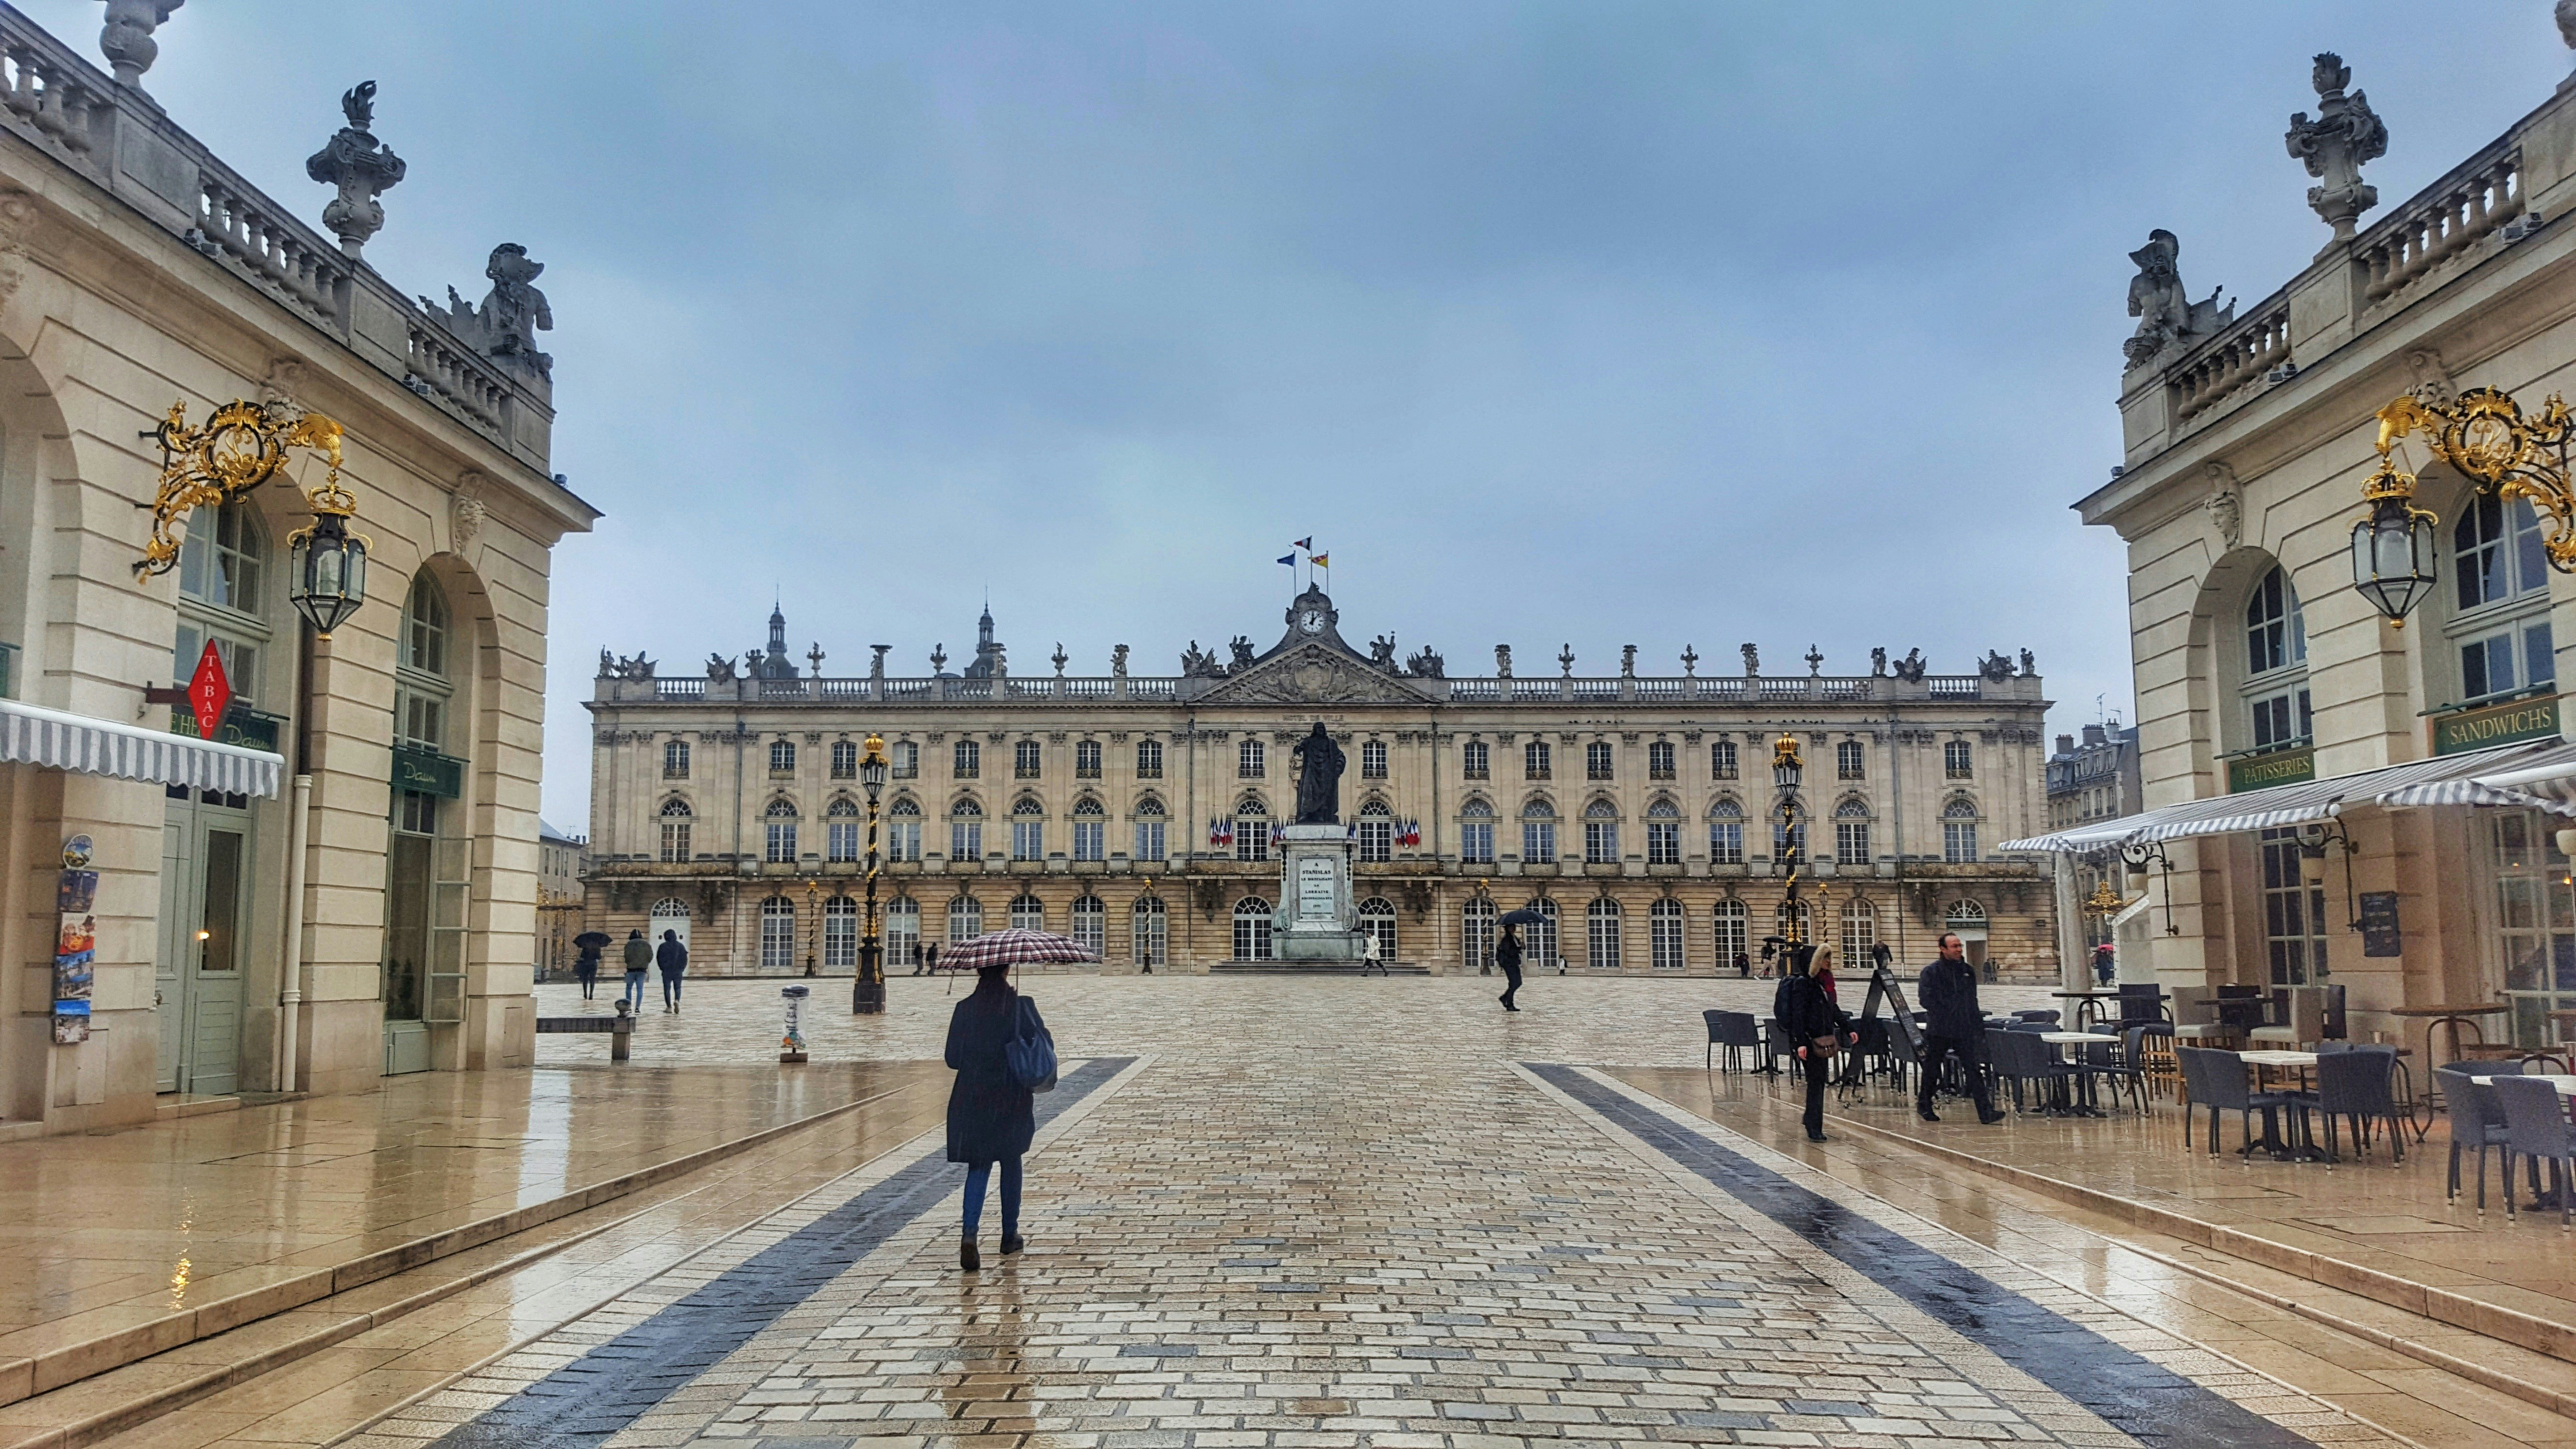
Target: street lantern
(2392,548)
(1786,767)
(326,565)
(868,991)
(2504,455)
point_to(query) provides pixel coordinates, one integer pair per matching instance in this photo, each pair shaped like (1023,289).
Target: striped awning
(31,734)
(2467,779)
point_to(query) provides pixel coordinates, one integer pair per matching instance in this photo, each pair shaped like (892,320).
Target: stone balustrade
(2256,346)
(2442,221)
(1165,689)
(110,134)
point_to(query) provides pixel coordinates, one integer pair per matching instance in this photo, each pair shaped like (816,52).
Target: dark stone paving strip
(584,1402)
(2144,1400)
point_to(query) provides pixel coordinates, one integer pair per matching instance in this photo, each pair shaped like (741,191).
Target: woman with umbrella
(992,1114)
(586,965)
(1507,950)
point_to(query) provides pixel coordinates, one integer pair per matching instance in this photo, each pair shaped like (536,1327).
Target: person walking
(1743,966)
(585,966)
(990,1119)
(673,958)
(639,959)
(1823,971)
(1953,1024)
(1809,1017)
(1507,955)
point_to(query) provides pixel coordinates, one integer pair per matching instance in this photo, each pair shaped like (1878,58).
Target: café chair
(2301,1021)
(1733,1030)
(2355,1083)
(2217,1081)
(2536,1128)
(2476,1121)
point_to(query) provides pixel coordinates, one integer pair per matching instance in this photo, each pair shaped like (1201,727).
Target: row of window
(1252,760)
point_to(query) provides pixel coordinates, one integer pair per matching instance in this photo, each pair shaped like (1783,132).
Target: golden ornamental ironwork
(241,446)
(2484,434)
(2105,901)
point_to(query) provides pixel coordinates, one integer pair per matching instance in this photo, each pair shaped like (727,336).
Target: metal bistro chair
(2117,1063)
(1733,1030)
(2535,1128)
(2476,1121)
(2217,1081)
(2355,1083)
(2035,1062)
(1902,1058)
(2150,1049)
(1775,1045)
(2040,1015)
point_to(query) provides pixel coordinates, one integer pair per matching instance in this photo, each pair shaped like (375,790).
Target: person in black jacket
(1809,1017)
(1952,1023)
(1507,954)
(990,1118)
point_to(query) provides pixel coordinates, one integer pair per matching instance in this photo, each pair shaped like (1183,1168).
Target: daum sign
(2280,767)
(2495,724)
(428,772)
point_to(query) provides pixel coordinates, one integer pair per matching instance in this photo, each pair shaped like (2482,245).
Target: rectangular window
(675,760)
(782,842)
(675,840)
(1086,759)
(1847,760)
(966,840)
(1659,760)
(1476,843)
(1721,760)
(782,759)
(1664,937)
(2294,912)
(1959,842)
(841,840)
(778,940)
(903,840)
(1249,760)
(2511,659)
(1601,842)
(1534,760)
(1149,759)
(2280,720)
(840,935)
(1028,839)
(845,760)
(906,760)
(1726,842)
(1477,761)
(1377,840)
(1251,936)
(1596,760)
(1538,842)
(969,759)
(1252,838)
(1149,840)
(1733,933)
(1663,842)
(1955,760)
(1024,760)
(1090,840)
(1373,760)
(2535,920)
(1851,842)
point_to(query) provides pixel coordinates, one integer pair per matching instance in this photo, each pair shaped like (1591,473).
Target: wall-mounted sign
(2495,724)
(242,726)
(209,692)
(428,772)
(2379,923)
(2280,767)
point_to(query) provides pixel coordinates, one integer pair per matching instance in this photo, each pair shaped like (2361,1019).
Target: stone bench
(621,1026)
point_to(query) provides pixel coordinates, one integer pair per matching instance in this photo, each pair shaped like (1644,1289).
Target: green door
(197,972)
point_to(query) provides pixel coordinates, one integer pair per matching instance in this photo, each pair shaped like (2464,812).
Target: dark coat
(989,1119)
(1947,992)
(672,957)
(1507,953)
(1805,1012)
(639,953)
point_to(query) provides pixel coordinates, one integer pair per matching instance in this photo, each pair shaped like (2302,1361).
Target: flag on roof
(1291,559)
(1321,560)
(1307,543)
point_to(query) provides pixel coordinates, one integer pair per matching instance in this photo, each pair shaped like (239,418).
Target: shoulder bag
(1030,1056)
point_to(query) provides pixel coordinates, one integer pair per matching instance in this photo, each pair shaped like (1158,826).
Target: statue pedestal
(1317,920)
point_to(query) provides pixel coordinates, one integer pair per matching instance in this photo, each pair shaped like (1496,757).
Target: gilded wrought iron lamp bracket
(2502,453)
(241,446)
(2314,840)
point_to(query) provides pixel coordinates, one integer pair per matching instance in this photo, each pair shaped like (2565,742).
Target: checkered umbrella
(1014,947)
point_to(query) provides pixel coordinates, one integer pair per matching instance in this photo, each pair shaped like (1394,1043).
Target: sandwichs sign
(2495,724)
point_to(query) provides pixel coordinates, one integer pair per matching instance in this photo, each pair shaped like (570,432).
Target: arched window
(777,934)
(1090,830)
(1147,931)
(1794,921)
(1664,934)
(780,823)
(1663,832)
(1959,831)
(1252,929)
(1539,938)
(1601,833)
(903,932)
(1848,761)
(675,759)
(1538,831)
(966,829)
(675,830)
(903,830)
(2274,686)
(845,760)
(1149,761)
(1028,829)
(840,934)
(1734,933)
(1090,922)
(1601,923)
(1149,829)
(1377,920)
(1249,760)
(1476,932)
(1851,832)
(841,829)
(1964,916)
(1251,829)
(1860,932)
(965,919)
(1476,833)
(425,627)
(782,758)
(1028,913)
(421,686)
(1377,833)
(1726,833)
(2499,623)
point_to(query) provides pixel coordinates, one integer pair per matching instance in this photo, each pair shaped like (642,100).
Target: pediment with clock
(1312,664)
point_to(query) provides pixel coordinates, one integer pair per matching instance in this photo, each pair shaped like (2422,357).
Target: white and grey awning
(31,734)
(2467,779)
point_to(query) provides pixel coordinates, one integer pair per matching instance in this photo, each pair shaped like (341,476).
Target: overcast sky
(1593,324)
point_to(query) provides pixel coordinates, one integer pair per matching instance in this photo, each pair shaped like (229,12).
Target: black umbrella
(591,941)
(1525,916)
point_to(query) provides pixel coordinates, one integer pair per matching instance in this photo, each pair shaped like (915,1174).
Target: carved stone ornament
(284,385)
(1503,652)
(1118,661)
(2432,377)
(720,669)
(2166,314)
(2335,145)
(2225,505)
(1878,663)
(18,213)
(466,511)
(1314,674)
(127,41)
(1995,667)
(1912,667)
(512,313)
(1752,659)
(363,170)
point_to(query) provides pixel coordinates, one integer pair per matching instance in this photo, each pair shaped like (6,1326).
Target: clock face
(1311,621)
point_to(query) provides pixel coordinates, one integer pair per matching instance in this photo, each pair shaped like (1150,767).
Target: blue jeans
(982,1173)
(635,990)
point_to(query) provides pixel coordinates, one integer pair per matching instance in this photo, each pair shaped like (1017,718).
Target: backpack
(1029,1058)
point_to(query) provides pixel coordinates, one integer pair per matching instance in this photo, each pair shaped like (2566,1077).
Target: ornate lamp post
(1786,770)
(813,920)
(2507,456)
(868,992)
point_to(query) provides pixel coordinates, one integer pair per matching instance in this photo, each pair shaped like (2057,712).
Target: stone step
(1312,968)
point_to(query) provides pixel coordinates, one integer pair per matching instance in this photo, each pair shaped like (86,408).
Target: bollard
(791,1047)
(621,1034)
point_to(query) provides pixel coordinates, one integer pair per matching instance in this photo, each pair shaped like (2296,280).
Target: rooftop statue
(1319,778)
(1912,667)
(363,170)
(511,315)
(2166,315)
(2334,145)
(1425,663)
(127,41)
(1242,649)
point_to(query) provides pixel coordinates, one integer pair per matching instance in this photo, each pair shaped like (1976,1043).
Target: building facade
(2092,780)
(559,870)
(137,271)
(2283,723)
(1136,812)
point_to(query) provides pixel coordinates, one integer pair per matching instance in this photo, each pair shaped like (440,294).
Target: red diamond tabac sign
(209,693)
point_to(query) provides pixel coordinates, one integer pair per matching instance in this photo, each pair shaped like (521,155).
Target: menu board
(2379,923)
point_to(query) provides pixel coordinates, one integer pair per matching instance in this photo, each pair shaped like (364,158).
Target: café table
(2083,1081)
(2088,1004)
(2286,1061)
(2453,1014)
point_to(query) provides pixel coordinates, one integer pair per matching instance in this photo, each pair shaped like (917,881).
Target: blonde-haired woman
(1809,1017)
